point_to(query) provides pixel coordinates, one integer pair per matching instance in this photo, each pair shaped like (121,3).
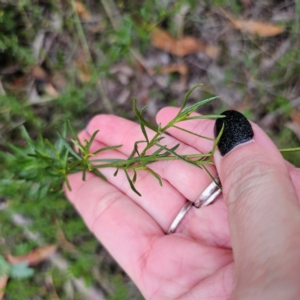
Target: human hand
(197,260)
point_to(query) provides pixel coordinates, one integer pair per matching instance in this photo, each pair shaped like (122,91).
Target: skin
(244,246)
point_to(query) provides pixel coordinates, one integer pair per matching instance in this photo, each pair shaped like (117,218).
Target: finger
(164,266)
(208,225)
(201,127)
(162,203)
(188,179)
(263,208)
(115,220)
(205,127)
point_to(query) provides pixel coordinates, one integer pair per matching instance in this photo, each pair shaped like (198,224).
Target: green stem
(137,160)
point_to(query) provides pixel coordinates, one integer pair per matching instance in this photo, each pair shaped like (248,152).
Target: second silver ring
(207,197)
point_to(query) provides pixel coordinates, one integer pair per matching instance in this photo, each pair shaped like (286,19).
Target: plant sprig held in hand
(72,161)
(61,159)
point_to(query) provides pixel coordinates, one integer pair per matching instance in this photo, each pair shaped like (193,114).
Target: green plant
(61,159)
(59,162)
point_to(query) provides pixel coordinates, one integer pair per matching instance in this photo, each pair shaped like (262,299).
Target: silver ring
(208,196)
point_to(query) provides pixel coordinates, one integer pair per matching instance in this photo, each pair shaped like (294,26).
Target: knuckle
(244,178)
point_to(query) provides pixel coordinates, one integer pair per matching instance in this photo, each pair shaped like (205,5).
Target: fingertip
(101,122)
(166,114)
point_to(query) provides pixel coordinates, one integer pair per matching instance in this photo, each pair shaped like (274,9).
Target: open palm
(196,262)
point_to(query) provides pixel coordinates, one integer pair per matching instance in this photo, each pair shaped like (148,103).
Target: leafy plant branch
(66,160)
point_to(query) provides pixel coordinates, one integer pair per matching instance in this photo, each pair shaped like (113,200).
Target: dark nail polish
(237,130)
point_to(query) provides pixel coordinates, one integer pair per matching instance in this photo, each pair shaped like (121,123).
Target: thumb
(263,210)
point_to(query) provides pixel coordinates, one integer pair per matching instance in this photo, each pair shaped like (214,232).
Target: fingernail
(237,130)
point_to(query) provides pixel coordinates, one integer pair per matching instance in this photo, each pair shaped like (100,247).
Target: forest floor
(72,59)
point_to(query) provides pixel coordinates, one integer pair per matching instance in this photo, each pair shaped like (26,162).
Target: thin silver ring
(208,196)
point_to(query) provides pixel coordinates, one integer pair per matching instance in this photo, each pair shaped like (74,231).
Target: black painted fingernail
(237,130)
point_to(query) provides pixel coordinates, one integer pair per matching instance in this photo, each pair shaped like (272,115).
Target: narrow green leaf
(67,182)
(144,132)
(290,149)
(186,97)
(47,159)
(183,158)
(159,128)
(68,146)
(89,143)
(135,149)
(106,149)
(131,183)
(140,117)
(134,176)
(74,132)
(193,107)
(27,137)
(205,117)
(54,150)
(193,133)
(169,151)
(109,160)
(84,173)
(217,139)
(211,177)
(155,175)
(156,153)
(159,139)
(73,164)
(98,173)
(80,147)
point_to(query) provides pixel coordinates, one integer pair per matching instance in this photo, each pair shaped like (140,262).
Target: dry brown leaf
(81,10)
(261,29)
(59,81)
(63,242)
(181,47)
(84,70)
(34,257)
(98,27)
(180,68)
(295,115)
(38,73)
(212,51)
(51,91)
(3,282)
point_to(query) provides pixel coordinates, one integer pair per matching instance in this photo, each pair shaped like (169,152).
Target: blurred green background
(75,59)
